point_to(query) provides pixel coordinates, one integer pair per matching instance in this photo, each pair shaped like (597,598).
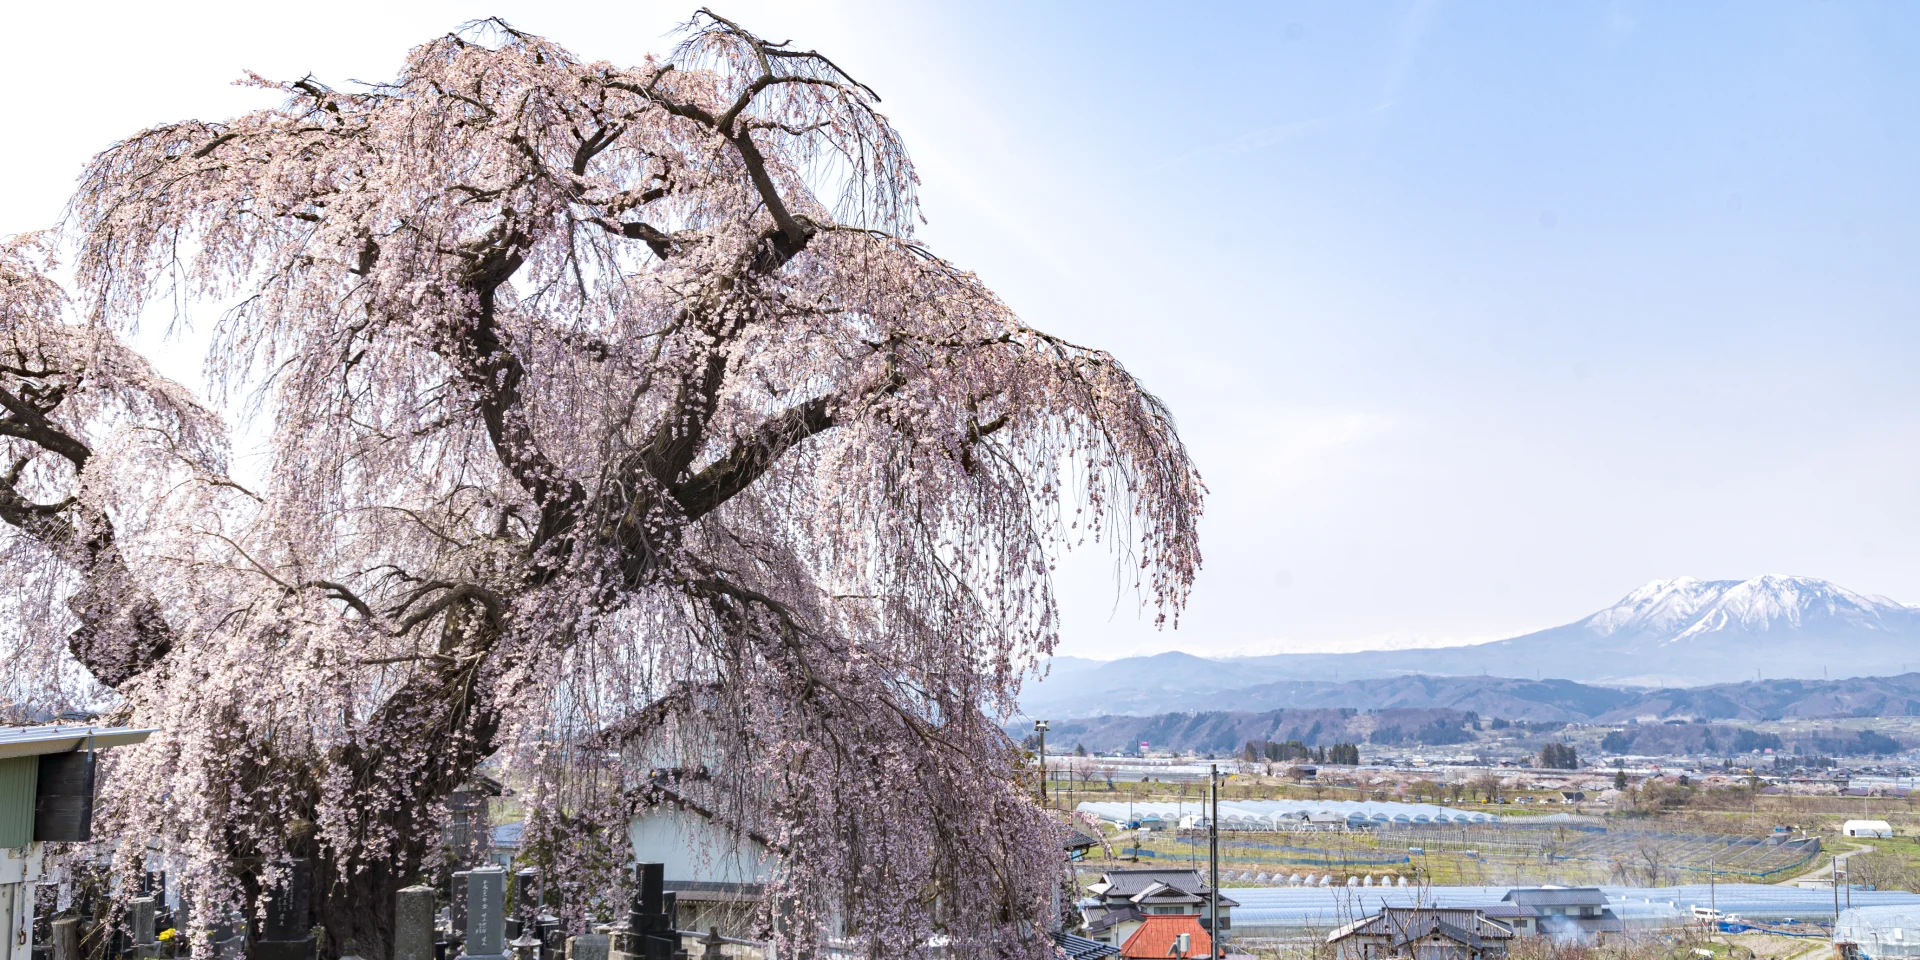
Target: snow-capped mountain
(1685,632)
(1668,633)
(1686,607)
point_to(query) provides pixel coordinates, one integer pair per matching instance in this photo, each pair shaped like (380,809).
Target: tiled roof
(509,835)
(1080,948)
(1126,883)
(1558,897)
(1162,893)
(1507,908)
(1422,927)
(1100,920)
(1130,884)
(1155,938)
(1401,924)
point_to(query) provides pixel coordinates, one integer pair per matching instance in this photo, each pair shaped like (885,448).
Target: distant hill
(1489,696)
(1413,705)
(1666,634)
(1778,700)
(1225,733)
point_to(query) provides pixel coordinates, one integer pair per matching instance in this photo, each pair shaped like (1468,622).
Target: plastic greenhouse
(1882,931)
(1282,814)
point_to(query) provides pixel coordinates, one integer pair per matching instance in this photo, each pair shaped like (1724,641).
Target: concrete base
(284,949)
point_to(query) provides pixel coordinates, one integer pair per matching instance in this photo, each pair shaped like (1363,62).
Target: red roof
(1154,939)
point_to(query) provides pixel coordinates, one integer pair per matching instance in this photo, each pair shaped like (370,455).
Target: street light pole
(1040,727)
(1213,855)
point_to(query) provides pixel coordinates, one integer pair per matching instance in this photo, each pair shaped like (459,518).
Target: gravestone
(226,938)
(552,934)
(587,946)
(526,903)
(287,933)
(140,920)
(486,914)
(413,910)
(649,933)
(457,906)
(526,894)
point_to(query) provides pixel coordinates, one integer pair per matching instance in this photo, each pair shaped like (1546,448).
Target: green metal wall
(19,776)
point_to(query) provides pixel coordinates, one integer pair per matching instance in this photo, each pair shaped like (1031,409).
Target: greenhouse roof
(1326,908)
(1887,930)
(1269,811)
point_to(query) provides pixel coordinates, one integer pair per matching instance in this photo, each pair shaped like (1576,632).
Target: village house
(1123,900)
(1423,933)
(1579,911)
(1162,937)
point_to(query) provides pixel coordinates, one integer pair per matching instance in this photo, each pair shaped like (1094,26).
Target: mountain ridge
(1675,633)
(1356,719)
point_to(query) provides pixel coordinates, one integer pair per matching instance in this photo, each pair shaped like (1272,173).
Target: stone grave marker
(486,914)
(587,946)
(457,906)
(287,933)
(140,924)
(413,910)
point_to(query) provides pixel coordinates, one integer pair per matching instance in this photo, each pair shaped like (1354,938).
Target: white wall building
(717,874)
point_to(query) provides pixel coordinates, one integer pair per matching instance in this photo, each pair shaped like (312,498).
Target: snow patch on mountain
(1685,608)
(1682,632)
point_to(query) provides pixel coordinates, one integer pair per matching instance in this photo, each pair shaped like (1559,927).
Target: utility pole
(1213,855)
(1713,881)
(1040,727)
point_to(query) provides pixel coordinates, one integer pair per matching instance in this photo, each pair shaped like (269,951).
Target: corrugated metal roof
(60,738)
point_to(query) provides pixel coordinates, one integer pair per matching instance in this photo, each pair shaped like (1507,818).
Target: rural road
(1825,871)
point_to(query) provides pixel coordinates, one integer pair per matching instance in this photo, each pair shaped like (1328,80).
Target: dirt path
(1825,871)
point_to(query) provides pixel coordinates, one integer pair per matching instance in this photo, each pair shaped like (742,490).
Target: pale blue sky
(1476,316)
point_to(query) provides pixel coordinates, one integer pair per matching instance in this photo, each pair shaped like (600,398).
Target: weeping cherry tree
(605,424)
